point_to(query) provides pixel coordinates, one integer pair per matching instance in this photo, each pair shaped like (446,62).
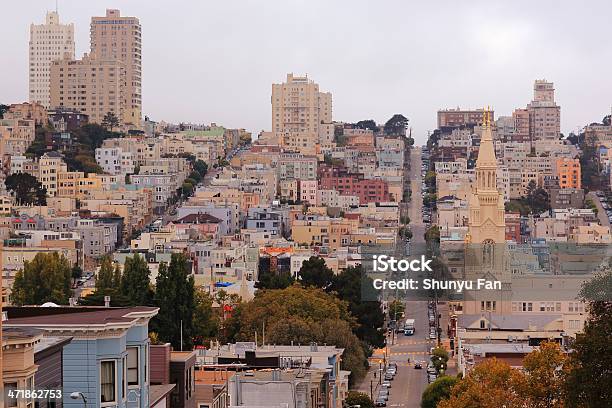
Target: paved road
(416,203)
(601,212)
(409,383)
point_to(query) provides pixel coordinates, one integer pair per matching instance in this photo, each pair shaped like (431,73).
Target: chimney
(106,301)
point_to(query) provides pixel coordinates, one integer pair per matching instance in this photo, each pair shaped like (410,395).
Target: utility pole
(371,389)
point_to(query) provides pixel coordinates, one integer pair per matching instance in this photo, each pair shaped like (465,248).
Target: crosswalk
(400,353)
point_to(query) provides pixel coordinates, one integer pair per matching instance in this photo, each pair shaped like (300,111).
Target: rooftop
(54,317)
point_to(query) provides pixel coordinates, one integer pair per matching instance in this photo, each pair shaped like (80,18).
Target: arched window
(488,249)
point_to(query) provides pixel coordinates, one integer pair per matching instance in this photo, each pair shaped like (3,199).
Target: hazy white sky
(215,61)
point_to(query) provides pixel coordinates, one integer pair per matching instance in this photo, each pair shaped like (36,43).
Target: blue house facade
(108,358)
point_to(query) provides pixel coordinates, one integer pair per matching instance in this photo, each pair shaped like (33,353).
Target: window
(108,382)
(482,324)
(132,366)
(11,402)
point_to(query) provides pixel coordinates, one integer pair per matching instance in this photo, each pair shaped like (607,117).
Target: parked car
(431,378)
(386,384)
(388,377)
(380,402)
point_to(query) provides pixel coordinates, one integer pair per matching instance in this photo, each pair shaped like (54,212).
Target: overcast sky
(215,61)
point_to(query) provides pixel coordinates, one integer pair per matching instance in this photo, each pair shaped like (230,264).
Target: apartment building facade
(119,38)
(49,42)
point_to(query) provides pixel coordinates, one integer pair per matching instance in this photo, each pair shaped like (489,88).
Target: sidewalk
(369,383)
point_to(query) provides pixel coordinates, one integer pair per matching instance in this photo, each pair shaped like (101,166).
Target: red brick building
(339,179)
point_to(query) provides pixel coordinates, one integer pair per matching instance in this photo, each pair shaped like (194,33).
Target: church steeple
(486,164)
(486,205)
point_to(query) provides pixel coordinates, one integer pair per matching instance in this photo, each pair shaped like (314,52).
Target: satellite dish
(49,304)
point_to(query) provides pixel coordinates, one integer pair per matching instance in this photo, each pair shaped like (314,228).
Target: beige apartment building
(93,85)
(49,42)
(16,135)
(114,37)
(459,117)
(299,108)
(50,165)
(544,113)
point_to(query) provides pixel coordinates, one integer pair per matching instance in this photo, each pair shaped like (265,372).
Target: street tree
(135,282)
(360,399)
(545,369)
(439,359)
(437,391)
(46,278)
(175,297)
(76,273)
(106,277)
(205,321)
(396,309)
(490,384)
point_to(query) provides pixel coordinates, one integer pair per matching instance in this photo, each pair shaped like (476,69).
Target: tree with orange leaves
(490,384)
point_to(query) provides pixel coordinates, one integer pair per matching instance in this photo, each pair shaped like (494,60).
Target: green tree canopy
(368,124)
(355,287)
(205,322)
(44,279)
(396,125)
(76,272)
(396,309)
(110,121)
(201,167)
(271,280)
(537,198)
(439,359)
(437,391)
(106,276)
(314,272)
(358,398)
(588,382)
(135,282)
(175,297)
(300,315)
(27,189)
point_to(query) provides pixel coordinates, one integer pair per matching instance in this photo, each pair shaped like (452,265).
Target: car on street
(393,365)
(432,336)
(386,384)
(388,377)
(380,402)
(431,378)
(417,365)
